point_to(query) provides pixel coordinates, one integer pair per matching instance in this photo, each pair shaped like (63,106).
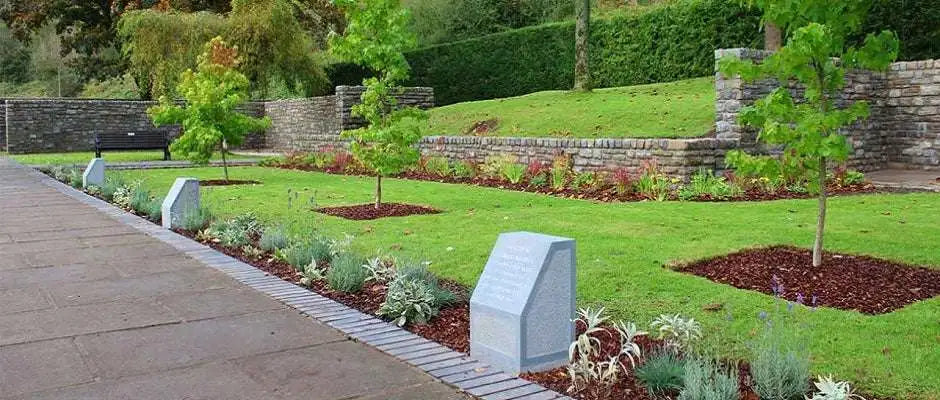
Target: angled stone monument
(94,173)
(522,309)
(182,199)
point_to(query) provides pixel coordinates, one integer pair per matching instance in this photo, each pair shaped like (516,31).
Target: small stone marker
(182,199)
(522,309)
(94,173)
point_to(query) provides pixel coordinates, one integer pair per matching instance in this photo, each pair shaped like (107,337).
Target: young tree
(582,33)
(209,117)
(815,56)
(376,35)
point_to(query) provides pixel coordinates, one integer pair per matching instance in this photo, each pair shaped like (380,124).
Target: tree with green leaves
(209,117)
(816,56)
(376,36)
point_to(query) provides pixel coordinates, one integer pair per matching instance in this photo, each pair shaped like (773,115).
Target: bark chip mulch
(222,182)
(362,212)
(848,282)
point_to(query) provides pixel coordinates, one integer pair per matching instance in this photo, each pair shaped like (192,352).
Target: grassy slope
(621,248)
(82,157)
(683,108)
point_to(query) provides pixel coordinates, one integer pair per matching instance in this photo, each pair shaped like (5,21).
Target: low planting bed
(622,248)
(647,182)
(370,211)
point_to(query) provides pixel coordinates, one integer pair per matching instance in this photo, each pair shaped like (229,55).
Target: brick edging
(448,366)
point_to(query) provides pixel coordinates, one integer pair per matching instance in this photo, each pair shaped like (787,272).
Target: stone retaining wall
(902,130)
(3,125)
(59,125)
(676,157)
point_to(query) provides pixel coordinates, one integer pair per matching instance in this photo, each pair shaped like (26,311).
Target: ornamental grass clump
(662,373)
(707,380)
(302,253)
(561,168)
(438,166)
(346,273)
(273,238)
(780,365)
(194,220)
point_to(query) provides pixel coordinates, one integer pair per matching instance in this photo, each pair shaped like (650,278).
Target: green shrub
(662,373)
(110,186)
(195,220)
(513,172)
(416,271)
(140,199)
(439,166)
(414,296)
(302,253)
(273,238)
(155,209)
(704,184)
(583,180)
(464,169)
(346,273)
(705,380)
(670,42)
(561,167)
(409,301)
(75,178)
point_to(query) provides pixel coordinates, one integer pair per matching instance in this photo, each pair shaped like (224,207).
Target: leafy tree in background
(160,45)
(275,47)
(376,35)
(209,117)
(816,56)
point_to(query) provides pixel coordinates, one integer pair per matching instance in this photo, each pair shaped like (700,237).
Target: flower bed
(558,179)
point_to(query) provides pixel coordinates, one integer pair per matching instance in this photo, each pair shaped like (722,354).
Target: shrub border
(448,366)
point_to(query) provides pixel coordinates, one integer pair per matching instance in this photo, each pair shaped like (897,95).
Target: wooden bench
(146,140)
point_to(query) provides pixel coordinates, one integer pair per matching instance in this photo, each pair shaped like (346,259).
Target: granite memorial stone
(94,173)
(182,199)
(522,309)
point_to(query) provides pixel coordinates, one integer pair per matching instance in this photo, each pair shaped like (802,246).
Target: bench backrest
(131,140)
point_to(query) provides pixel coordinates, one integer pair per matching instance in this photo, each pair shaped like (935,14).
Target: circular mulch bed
(362,212)
(222,182)
(849,282)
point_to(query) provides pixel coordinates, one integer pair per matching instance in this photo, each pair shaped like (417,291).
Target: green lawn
(676,109)
(622,247)
(82,157)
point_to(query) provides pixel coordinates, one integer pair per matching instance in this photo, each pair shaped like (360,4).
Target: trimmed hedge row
(675,41)
(672,42)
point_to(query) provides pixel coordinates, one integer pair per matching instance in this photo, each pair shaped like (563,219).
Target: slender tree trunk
(821,216)
(224,163)
(378,192)
(582,30)
(773,37)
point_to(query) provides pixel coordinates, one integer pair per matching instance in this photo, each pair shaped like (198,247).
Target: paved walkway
(906,179)
(91,308)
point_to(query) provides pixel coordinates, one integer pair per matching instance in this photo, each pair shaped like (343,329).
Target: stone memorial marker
(182,199)
(94,173)
(522,309)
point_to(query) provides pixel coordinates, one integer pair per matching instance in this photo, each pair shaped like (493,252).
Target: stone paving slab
(31,367)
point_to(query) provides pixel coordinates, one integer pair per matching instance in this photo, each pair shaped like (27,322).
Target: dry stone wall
(903,129)
(58,125)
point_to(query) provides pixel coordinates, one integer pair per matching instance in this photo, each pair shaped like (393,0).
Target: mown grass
(82,157)
(675,109)
(622,248)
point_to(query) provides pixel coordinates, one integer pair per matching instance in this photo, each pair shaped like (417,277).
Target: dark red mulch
(362,212)
(849,282)
(222,182)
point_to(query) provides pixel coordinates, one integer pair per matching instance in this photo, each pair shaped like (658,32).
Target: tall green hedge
(672,42)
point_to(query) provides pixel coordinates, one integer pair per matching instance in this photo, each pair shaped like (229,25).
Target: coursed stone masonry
(903,129)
